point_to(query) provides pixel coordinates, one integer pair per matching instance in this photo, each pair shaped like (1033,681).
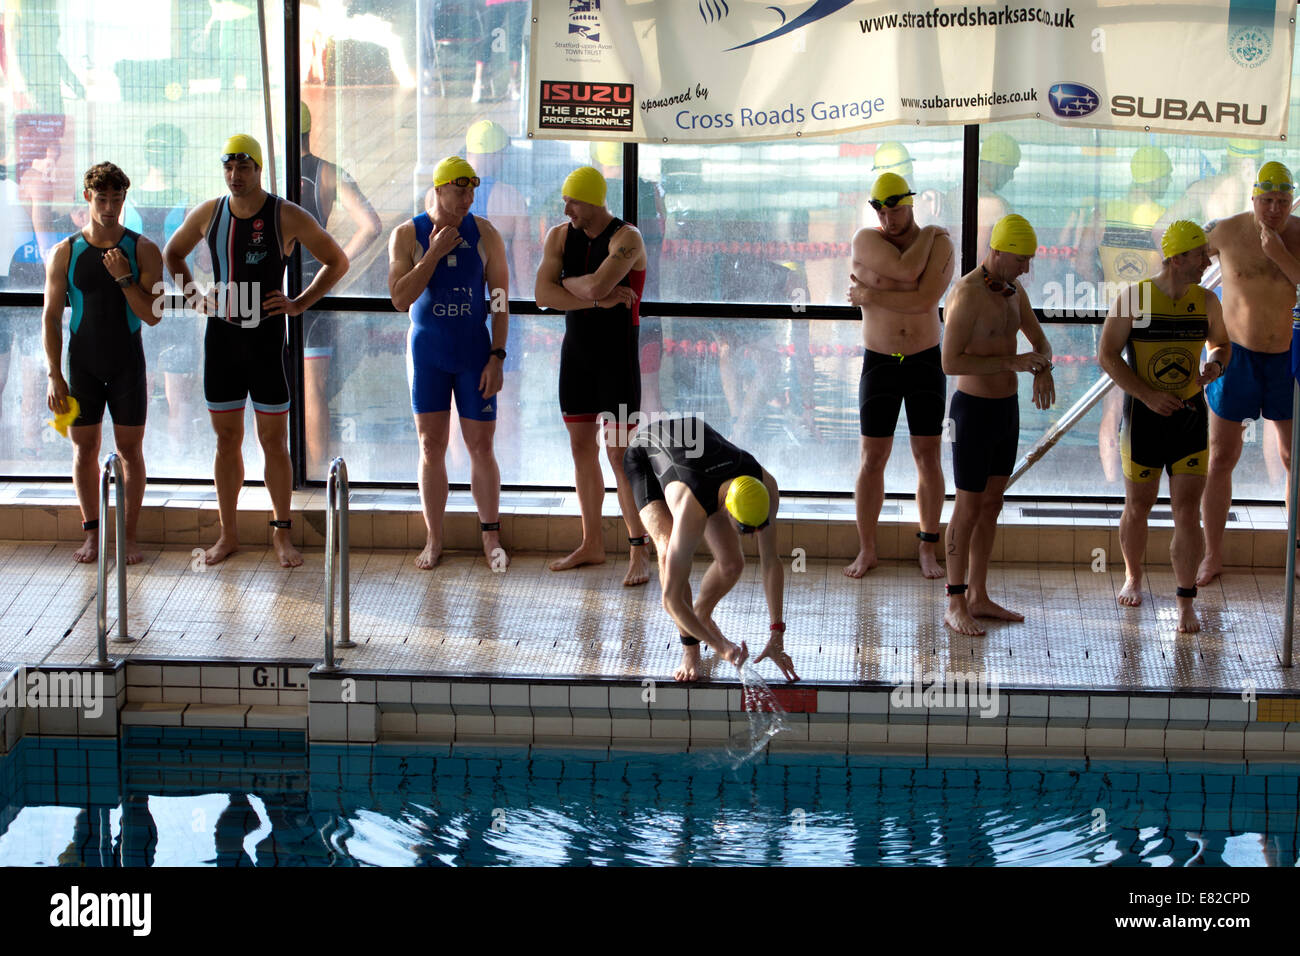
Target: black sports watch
(499,353)
(125,281)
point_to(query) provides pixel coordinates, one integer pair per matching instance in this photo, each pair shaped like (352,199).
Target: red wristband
(778,626)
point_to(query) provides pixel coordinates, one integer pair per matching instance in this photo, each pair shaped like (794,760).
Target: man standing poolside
(900,273)
(594,269)
(107,272)
(1151,346)
(251,234)
(986,311)
(1259,255)
(691,484)
(442,265)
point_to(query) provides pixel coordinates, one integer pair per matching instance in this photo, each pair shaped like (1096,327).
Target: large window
(748,243)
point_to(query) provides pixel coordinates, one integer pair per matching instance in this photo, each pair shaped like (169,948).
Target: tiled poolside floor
(464,619)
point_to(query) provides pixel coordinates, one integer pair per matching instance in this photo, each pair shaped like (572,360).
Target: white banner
(725,70)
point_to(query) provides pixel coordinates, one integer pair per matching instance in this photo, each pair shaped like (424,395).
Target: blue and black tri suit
(105,354)
(449,343)
(244,351)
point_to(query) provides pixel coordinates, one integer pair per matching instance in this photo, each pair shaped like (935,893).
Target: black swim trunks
(985,434)
(686,450)
(1177,443)
(888,381)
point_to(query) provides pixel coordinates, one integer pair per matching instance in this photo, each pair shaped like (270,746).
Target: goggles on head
(463,181)
(1007,289)
(1268,186)
(236,157)
(889,202)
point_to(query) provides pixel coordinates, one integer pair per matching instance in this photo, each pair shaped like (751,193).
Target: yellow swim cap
(891,184)
(747,501)
(453,167)
(243,143)
(1000,148)
(892,157)
(1274,174)
(1015,235)
(1181,236)
(60,423)
(585,184)
(486,136)
(1149,163)
(304,118)
(1245,147)
(607,154)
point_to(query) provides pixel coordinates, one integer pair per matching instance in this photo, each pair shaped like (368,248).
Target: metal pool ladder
(113,467)
(336,535)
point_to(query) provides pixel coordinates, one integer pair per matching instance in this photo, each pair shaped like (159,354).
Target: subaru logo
(1073,100)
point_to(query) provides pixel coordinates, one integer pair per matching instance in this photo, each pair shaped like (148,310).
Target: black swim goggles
(743,528)
(236,157)
(1007,289)
(888,202)
(463,181)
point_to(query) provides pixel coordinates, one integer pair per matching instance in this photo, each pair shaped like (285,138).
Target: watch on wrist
(124,281)
(499,353)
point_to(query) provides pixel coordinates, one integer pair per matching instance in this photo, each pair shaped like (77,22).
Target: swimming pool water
(182,796)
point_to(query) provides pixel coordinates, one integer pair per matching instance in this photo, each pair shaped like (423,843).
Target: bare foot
(1188,622)
(1211,567)
(961,622)
(290,557)
(133,553)
(983,607)
(736,654)
(586,554)
(864,562)
(638,567)
(88,552)
(497,558)
(925,556)
(690,666)
(429,556)
(226,546)
(1131,594)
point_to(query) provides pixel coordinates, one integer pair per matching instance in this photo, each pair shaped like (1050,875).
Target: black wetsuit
(105,353)
(686,450)
(244,351)
(600,370)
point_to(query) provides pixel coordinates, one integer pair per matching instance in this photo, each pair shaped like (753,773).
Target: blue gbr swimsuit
(105,354)
(449,343)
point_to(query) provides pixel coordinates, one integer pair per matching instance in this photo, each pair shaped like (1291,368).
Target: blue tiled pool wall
(323,800)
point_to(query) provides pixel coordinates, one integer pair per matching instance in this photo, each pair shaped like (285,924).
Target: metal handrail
(113,467)
(336,535)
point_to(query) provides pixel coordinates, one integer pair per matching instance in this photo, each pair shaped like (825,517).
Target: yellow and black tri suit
(1166,354)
